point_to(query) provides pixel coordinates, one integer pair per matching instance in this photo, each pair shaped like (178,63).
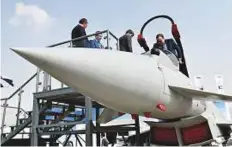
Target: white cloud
(31,16)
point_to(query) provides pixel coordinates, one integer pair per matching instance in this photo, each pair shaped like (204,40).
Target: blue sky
(205,28)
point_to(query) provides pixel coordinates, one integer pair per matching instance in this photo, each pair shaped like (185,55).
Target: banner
(198,80)
(219,84)
(224,107)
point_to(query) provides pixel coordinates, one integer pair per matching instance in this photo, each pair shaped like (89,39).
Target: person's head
(130,32)
(103,134)
(160,39)
(83,22)
(98,36)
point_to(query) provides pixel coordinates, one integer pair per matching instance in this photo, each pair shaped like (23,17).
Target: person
(167,44)
(104,141)
(111,137)
(79,31)
(96,43)
(125,42)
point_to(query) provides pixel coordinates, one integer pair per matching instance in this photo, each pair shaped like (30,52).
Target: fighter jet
(149,85)
(145,85)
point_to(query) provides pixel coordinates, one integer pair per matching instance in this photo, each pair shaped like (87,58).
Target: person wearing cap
(96,43)
(125,42)
(79,31)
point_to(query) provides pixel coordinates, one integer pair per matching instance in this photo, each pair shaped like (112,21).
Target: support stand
(97,126)
(89,128)
(35,121)
(137,126)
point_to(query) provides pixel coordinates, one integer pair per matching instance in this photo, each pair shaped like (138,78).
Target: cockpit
(166,58)
(172,57)
(176,35)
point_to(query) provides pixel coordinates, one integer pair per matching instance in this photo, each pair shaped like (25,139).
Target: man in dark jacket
(125,41)
(167,44)
(79,31)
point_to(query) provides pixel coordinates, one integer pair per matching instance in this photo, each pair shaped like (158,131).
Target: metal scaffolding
(57,127)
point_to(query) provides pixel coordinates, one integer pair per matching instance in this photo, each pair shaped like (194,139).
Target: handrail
(15,108)
(6,99)
(82,37)
(24,84)
(75,39)
(113,35)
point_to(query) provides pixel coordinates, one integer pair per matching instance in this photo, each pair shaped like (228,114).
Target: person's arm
(155,50)
(83,33)
(129,43)
(177,48)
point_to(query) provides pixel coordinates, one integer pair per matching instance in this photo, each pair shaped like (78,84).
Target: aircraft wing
(198,94)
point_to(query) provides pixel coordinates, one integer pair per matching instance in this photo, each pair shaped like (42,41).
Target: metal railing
(108,33)
(47,78)
(19,110)
(21,87)
(11,96)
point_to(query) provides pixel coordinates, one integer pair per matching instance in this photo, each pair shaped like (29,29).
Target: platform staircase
(48,120)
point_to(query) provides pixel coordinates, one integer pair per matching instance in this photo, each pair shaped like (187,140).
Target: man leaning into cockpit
(167,44)
(162,44)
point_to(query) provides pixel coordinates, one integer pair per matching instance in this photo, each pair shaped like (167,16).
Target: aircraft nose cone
(115,79)
(30,55)
(22,51)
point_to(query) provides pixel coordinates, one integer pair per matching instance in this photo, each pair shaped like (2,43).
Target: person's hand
(155,51)
(180,61)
